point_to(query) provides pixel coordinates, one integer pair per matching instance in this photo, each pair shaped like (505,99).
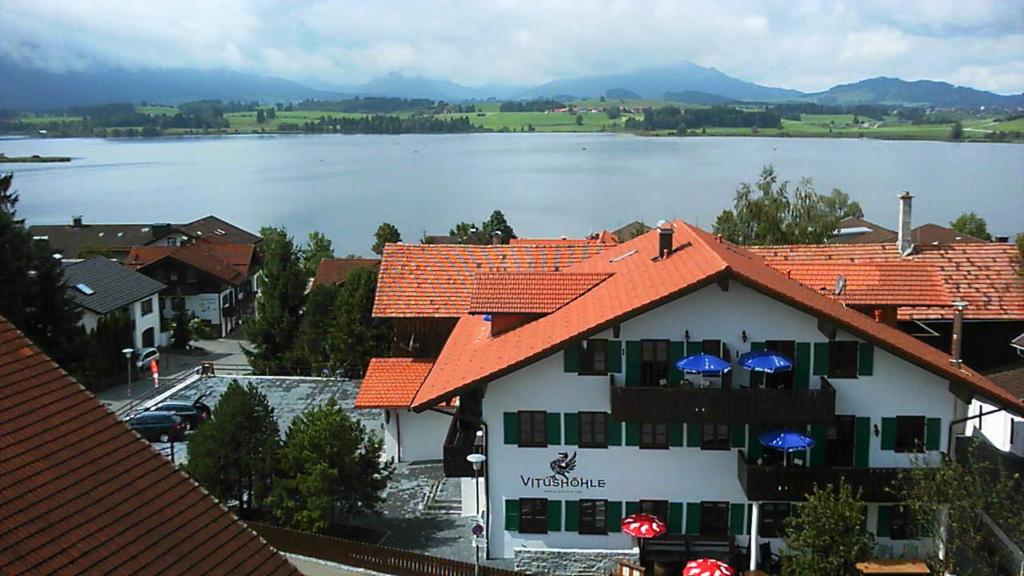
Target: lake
(546,184)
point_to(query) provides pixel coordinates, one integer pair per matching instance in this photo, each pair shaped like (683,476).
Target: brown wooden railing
(368,556)
(795,482)
(457,445)
(724,405)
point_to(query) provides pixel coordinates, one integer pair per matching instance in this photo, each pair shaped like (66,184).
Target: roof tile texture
(877,284)
(114,285)
(82,494)
(529,292)
(392,382)
(229,262)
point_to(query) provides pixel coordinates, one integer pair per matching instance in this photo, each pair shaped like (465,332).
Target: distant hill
(894,91)
(401,86)
(655,82)
(694,97)
(621,94)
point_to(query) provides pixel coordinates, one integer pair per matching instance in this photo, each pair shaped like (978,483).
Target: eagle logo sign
(563,464)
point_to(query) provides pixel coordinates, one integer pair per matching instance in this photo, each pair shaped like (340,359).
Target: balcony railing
(457,445)
(792,483)
(724,405)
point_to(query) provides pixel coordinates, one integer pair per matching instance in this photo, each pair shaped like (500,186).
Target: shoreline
(33,159)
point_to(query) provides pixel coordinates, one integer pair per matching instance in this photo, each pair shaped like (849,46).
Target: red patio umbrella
(643,525)
(707,567)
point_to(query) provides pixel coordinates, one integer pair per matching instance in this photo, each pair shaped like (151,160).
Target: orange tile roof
(229,262)
(603,237)
(80,493)
(877,284)
(392,382)
(436,280)
(983,275)
(641,283)
(333,271)
(528,292)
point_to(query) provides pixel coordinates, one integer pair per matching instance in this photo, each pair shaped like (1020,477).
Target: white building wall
(412,437)
(998,428)
(205,306)
(151,320)
(89,320)
(679,474)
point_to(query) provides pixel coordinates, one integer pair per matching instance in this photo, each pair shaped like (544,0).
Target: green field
(541,121)
(157,110)
(246,121)
(1016,124)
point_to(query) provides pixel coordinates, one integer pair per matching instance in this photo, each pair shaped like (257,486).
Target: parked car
(158,426)
(144,355)
(191,414)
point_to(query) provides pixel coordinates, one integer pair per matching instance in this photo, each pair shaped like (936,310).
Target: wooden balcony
(457,445)
(768,406)
(793,483)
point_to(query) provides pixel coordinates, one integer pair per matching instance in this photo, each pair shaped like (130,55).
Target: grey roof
(113,285)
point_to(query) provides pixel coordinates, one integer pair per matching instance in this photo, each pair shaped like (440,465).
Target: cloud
(803,44)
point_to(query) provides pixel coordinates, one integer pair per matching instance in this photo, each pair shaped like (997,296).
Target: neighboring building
(333,271)
(570,372)
(100,286)
(630,231)
(80,240)
(214,281)
(860,231)
(83,494)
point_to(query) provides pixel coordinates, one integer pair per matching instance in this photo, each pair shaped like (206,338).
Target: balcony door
(781,380)
(714,518)
(840,444)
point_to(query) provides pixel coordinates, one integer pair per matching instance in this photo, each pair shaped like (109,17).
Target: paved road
(311,567)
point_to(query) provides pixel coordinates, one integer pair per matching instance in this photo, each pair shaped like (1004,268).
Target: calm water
(547,184)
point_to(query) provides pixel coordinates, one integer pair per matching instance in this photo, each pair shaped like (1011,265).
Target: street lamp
(128,356)
(477,460)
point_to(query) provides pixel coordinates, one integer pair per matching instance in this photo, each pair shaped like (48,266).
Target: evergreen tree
(971,224)
(827,536)
(357,336)
(386,233)
(260,116)
(498,223)
(182,334)
(330,470)
(278,304)
(318,248)
(312,349)
(956,132)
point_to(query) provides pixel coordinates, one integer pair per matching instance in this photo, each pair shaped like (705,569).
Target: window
(653,435)
(593,516)
(903,525)
(190,275)
(842,359)
(653,362)
(910,433)
(657,508)
(173,274)
(781,380)
(593,357)
(533,429)
(714,437)
(714,518)
(533,515)
(172,241)
(593,430)
(773,518)
(147,306)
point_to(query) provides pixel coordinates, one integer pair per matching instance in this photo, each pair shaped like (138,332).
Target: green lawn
(246,121)
(541,121)
(1015,124)
(46,119)
(157,110)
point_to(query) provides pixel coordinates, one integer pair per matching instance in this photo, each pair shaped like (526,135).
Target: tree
(768,213)
(386,233)
(971,224)
(1020,252)
(827,537)
(579,119)
(182,334)
(956,132)
(330,470)
(466,233)
(260,116)
(498,223)
(356,335)
(950,503)
(312,348)
(232,454)
(317,248)
(278,304)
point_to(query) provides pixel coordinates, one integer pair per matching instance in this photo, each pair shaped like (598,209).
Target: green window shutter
(692,348)
(756,346)
(632,433)
(861,442)
(820,359)
(737,436)
(613,356)
(572,516)
(676,352)
(614,516)
(754,448)
(884,526)
(554,515)
(572,428)
(614,431)
(571,357)
(632,363)
(866,359)
(756,378)
(632,508)
(802,370)
(737,513)
(511,428)
(888,433)
(675,518)
(675,434)
(820,436)
(554,428)
(933,433)
(693,518)
(512,515)
(694,433)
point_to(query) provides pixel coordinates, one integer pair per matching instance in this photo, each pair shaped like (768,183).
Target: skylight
(220,231)
(85,289)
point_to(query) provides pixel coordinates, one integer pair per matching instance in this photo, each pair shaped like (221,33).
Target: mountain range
(27,88)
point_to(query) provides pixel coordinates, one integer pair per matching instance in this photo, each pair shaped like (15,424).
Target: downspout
(950,439)
(398,435)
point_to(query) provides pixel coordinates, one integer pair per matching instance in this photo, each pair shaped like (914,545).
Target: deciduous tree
(971,224)
(827,537)
(386,233)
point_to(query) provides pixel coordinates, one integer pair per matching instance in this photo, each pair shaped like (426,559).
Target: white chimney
(906,244)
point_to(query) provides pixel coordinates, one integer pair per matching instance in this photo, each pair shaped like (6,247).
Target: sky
(807,45)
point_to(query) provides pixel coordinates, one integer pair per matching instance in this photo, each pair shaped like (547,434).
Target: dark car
(192,414)
(158,426)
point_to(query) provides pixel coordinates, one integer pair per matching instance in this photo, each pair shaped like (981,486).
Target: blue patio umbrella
(785,440)
(705,364)
(765,361)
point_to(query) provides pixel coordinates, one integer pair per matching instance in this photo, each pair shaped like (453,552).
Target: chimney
(958,332)
(906,244)
(496,237)
(664,239)
(76,221)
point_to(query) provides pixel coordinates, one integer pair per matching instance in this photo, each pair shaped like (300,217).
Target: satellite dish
(840,284)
